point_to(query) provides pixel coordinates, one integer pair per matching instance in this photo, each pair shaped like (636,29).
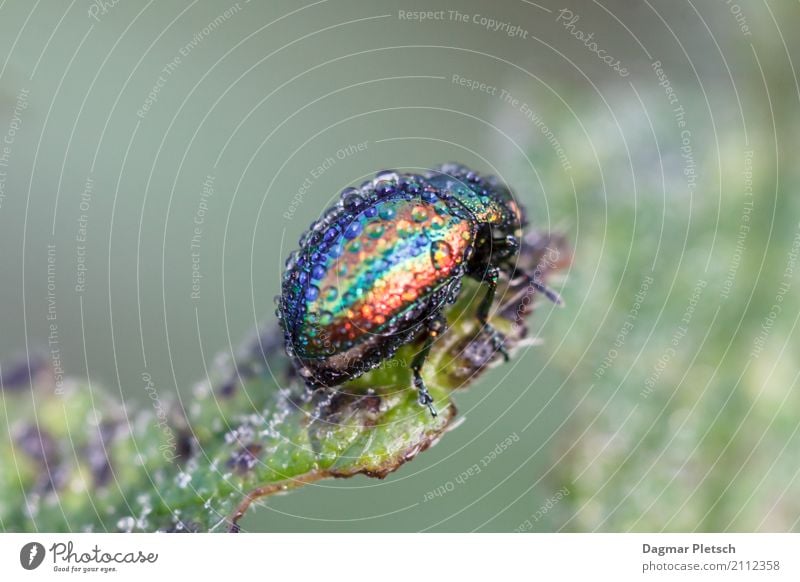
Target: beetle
(378,269)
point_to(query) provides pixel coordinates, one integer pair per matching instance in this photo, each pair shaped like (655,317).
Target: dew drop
(411,184)
(404,229)
(330,234)
(353,230)
(384,187)
(375,230)
(468,252)
(312,292)
(352,199)
(419,214)
(441,255)
(318,271)
(183,480)
(335,251)
(410,294)
(387,213)
(428,196)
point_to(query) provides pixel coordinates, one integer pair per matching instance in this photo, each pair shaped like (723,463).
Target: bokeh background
(663,397)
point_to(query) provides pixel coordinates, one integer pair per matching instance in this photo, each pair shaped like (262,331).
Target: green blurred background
(664,396)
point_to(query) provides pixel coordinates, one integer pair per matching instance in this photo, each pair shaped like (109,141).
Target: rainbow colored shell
(380,263)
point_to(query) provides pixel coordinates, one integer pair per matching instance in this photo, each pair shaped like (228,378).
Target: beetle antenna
(543,289)
(547,292)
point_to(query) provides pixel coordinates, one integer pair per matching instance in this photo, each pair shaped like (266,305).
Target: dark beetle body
(376,272)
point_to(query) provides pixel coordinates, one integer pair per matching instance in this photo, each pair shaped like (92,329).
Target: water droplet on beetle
(409,294)
(387,213)
(330,234)
(384,187)
(387,175)
(375,230)
(352,199)
(428,196)
(404,228)
(312,292)
(335,251)
(353,230)
(468,252)
(441,255)
(317,271)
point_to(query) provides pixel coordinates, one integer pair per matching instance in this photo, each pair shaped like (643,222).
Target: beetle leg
(435,327)
(491,277)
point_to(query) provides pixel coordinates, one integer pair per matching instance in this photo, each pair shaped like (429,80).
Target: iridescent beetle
(378,269)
